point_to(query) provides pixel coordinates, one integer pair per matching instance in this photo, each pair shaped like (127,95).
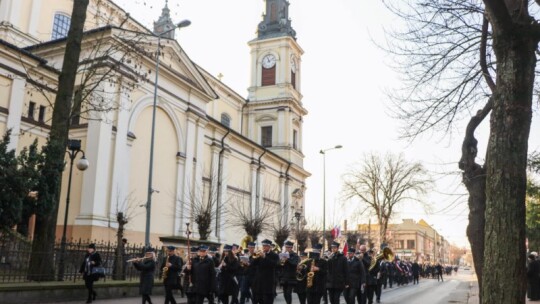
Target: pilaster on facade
(223,202)
(188,187)
(95,200)
(260,186)
(253,168)
(16,102)
(283,199)
(121,169)
(179,221)
(34,17)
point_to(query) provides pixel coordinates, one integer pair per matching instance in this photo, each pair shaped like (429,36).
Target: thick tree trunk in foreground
(504,256)
(41,266)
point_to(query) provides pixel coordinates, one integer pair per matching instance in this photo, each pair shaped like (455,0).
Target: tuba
(386,254)
(244,242)
(301,270)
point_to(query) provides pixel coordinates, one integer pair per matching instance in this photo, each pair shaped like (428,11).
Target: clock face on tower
(268,61)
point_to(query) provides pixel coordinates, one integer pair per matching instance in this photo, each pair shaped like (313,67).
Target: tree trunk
(506,163)
(41,261)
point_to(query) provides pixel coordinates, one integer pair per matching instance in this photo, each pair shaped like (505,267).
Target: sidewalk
(473,295)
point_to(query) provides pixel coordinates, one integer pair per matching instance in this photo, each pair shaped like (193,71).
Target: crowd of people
(252,275)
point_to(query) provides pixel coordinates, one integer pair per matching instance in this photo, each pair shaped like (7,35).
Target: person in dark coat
(288,271)
(227,281)
(338,274)
(186,284)
(300,287)
(439,271)
(357,277)
(248,271)
(171,277)
(265,270)
(203,276)
(533,277)
(147,267)
(371,275)
(319,267)
(91,259)
(415,272)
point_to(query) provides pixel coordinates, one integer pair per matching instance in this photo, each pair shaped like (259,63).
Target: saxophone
(310,275)
(165,269)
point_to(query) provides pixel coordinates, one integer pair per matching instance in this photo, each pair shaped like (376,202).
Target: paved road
(455,289)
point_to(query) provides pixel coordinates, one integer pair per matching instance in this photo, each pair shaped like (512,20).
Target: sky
(345,80)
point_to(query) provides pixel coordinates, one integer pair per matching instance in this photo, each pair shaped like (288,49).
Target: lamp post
(323,152)
(74,148)
(183,23)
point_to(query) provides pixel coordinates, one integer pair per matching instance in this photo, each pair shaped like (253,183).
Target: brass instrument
(283,257)
(257,254)
(310,275)
(301,269)
(244,242)
(165,269)
(386,254)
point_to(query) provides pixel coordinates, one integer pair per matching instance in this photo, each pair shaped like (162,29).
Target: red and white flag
(345,248)
(336,232)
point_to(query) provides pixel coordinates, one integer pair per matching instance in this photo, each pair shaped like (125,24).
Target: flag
(336,232)
(345,248)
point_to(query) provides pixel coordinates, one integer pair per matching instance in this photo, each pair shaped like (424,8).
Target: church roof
(276,22)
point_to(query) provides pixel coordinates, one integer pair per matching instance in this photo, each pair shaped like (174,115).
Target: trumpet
(258,254)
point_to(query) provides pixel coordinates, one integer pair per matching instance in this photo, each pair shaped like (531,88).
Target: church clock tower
(274,109)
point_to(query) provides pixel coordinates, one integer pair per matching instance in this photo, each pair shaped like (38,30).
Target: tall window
(41,115)
(293,79)
(410,244)
(266,136)
(295,139)
(399,244)
(268,76)
(226,120)
(60,26)
(31,109)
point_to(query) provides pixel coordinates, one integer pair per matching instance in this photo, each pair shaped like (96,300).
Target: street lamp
(323,152)
(183,23)
(74,147)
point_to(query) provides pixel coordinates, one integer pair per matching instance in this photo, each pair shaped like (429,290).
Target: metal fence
(15,255)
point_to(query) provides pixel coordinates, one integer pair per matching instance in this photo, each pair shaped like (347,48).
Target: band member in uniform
(319,267)
(357,277)
(288,271)
(371,276)
(187,285)
(300,288)
(415,272)
(265,263)
(170,272)
(203,276)
(227,282)
(146,266)
(338,274)
(248,272)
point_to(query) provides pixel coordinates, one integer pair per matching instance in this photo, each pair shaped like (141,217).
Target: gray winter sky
(344,80)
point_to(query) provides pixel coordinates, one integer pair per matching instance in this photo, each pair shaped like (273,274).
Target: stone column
(188,186)
(282,126)
(16,102)
(35,15)
(180,202)
(224,198)
(253,168)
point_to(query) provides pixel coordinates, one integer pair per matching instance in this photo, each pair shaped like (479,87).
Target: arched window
(226,120)
(60,26)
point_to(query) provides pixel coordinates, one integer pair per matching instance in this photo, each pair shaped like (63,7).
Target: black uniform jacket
(338,272)
(357,274)
(86,266)
(371,276)
(147,268)
(203,275)
(319,280)
(265,273)
(227,282)
(288,271)
(173,273)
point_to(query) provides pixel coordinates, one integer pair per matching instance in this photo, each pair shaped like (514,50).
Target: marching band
(240,276)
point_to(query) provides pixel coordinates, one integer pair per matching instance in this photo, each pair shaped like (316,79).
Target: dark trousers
(146,299)
(314,298)
(370,291)
(334,294)
(350,295)
(287,292)
(199,298)
(378,291)
(263,298)
(415,279)
(302,297)
(169,298)
(245,289)
(439,277)
(361,296)
(224,299)
(390,280)
(89,283)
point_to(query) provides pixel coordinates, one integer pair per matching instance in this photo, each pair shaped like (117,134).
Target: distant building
(411,240)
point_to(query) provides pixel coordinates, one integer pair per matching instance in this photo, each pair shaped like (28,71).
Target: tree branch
(483,52)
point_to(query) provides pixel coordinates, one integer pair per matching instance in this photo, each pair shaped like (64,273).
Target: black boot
(94,294)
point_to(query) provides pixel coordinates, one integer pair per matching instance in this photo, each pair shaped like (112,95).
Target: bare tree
(466,42)
(125,211)
(280,230)
(382,184)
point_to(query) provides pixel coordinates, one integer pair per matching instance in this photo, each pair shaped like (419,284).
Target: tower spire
(276,22)
(164,22)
